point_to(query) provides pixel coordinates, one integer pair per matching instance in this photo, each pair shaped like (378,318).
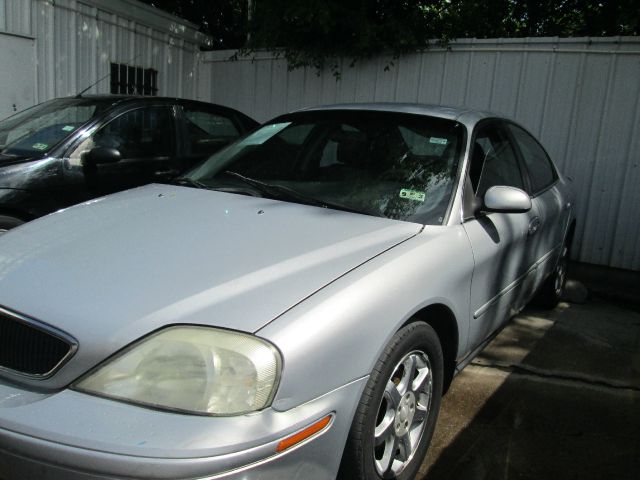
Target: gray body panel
(101,438)
(359,312)
(183,256)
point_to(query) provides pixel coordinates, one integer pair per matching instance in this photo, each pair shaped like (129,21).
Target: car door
(499,241)
(206,129)
(546,240)
(144,137)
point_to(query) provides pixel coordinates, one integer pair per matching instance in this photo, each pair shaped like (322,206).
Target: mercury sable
(293,308)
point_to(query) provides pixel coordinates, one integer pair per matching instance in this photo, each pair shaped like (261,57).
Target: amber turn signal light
(304,434)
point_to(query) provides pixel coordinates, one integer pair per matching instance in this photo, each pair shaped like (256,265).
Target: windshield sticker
(39,146)
(415,195)
(68,128)
(438,141)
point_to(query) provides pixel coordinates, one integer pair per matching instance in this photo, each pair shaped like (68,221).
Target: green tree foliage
(314,32)
(319,32)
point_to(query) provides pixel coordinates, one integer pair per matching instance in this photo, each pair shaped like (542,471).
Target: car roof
(464,115)
(120,99)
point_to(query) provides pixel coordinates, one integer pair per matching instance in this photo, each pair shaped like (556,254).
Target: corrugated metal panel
(17,83)
(580,96)
(17,16)
(77,40)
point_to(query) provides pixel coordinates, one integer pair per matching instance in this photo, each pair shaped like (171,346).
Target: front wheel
(397,413)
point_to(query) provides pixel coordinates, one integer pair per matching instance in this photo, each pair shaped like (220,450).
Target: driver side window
(493,161)
(143,133)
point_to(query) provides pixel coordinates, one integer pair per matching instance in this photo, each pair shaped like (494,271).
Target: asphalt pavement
(556,395)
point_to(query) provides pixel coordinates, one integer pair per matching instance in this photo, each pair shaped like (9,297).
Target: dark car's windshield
(38,129)
(393,165)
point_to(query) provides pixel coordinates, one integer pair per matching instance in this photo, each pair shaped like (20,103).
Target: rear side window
(208,131)
(541,171)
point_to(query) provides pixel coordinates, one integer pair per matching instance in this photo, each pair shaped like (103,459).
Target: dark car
(69,150)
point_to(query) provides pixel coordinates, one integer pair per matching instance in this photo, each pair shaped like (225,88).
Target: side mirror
(506,200)
(100,155)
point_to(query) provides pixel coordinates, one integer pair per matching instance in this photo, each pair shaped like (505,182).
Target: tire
(552,289)
(397,415)
(7,223)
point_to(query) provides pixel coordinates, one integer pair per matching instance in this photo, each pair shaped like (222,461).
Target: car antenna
(79,95)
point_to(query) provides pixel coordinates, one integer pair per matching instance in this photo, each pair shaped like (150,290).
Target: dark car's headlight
(192,369)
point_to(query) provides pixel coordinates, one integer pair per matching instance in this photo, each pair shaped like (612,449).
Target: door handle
(534,225)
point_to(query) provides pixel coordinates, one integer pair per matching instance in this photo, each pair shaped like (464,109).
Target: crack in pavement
(528,370)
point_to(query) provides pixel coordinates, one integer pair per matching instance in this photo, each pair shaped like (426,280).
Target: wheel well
(15,214)
(443,321)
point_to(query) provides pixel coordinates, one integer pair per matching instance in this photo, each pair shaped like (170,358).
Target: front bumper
(74,436)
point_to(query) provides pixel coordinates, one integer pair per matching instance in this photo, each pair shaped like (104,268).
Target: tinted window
(392,165)
(137,134)
(493,161)
(208,131)
(541,172)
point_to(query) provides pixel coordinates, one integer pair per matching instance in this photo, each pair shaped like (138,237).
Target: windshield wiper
(281,192)
(188,182)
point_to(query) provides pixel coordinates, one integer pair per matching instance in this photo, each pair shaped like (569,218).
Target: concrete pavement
(554,395)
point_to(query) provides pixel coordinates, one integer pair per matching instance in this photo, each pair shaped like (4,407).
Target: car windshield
(393,165)
(38,129)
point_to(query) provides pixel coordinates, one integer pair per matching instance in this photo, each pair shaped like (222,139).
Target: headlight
(193,369)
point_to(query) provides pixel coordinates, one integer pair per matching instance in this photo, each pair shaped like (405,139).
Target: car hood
(12,159)
(29,173)
(110,271)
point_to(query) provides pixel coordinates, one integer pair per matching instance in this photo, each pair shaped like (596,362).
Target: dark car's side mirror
(102,155)
(506,200)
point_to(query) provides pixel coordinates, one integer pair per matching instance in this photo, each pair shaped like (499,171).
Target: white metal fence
(580,96)
(77,40)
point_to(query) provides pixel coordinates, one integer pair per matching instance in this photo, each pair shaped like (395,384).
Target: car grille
(27,349)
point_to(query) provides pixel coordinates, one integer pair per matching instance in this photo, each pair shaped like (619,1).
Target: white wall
(17,73)
(580,96)
(75,42)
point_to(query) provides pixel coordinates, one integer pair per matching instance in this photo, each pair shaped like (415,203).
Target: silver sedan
(293,308)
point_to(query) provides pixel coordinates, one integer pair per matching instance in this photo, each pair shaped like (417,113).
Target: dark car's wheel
(397,413)
(553,287)
(7,223)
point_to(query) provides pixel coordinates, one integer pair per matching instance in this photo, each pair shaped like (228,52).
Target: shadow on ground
(555,395)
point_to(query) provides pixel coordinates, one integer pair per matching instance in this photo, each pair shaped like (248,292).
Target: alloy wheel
(403,413)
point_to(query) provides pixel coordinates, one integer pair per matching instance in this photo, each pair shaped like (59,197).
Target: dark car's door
(206,129)
(145,140)
(501,278)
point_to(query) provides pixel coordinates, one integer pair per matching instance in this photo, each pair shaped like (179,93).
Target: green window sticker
(39,146)
(438,141)
(68,128)
(415,195)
